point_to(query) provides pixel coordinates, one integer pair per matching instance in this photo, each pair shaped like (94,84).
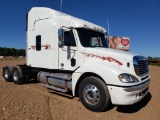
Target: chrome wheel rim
(15,75)
(6,74)
(91,94)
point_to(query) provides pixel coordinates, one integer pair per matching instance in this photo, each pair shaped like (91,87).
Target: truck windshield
(90,38)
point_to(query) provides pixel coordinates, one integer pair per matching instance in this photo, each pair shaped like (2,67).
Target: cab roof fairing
(66,19)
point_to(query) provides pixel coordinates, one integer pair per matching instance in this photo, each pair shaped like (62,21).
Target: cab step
(54,88)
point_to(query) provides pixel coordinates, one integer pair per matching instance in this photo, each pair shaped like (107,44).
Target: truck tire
(7,73)
(17,75)
(94,94)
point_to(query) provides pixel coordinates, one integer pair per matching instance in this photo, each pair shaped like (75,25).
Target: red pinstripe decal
(46,46)
(110,59)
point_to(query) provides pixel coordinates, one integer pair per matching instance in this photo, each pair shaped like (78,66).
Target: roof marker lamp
(127,78)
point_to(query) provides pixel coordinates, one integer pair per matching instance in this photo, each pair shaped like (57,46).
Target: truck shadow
(109,107)
(123,109)
(68,95)
(135,107)
(31,81)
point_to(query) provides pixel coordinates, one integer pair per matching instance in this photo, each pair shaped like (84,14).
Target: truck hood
(107,54)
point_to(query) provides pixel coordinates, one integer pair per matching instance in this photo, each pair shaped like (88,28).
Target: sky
(137,19)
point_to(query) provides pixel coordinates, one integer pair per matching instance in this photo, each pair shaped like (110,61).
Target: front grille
(143,66)
(140,65)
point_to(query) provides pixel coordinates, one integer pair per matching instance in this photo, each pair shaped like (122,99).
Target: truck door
(68,52)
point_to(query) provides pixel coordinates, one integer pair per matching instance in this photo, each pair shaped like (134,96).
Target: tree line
(12,52)
(153,58)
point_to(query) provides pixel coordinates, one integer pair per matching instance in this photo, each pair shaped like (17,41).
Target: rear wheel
(7,73)
(17,75)
(94,94)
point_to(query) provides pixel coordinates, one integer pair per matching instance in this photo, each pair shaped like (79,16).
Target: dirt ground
(31,102)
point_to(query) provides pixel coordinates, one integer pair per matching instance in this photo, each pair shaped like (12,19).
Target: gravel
(33,102)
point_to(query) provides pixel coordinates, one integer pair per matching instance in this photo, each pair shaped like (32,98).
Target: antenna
(60,11)
(108,26)
(61,6)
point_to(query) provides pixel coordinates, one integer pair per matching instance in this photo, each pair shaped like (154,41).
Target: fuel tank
(60,80)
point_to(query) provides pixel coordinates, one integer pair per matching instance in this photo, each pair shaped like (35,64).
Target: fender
(107,71)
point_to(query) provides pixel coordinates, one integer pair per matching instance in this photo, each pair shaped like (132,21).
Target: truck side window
(38,43)
(69,39)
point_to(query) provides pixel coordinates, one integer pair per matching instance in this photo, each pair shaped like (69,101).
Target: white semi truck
(65,54)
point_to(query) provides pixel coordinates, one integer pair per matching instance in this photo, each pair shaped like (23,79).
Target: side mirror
(60,37)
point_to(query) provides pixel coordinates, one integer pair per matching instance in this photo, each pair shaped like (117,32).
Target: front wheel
(94,94)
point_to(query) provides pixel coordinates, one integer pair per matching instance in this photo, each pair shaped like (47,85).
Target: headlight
(127,78)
